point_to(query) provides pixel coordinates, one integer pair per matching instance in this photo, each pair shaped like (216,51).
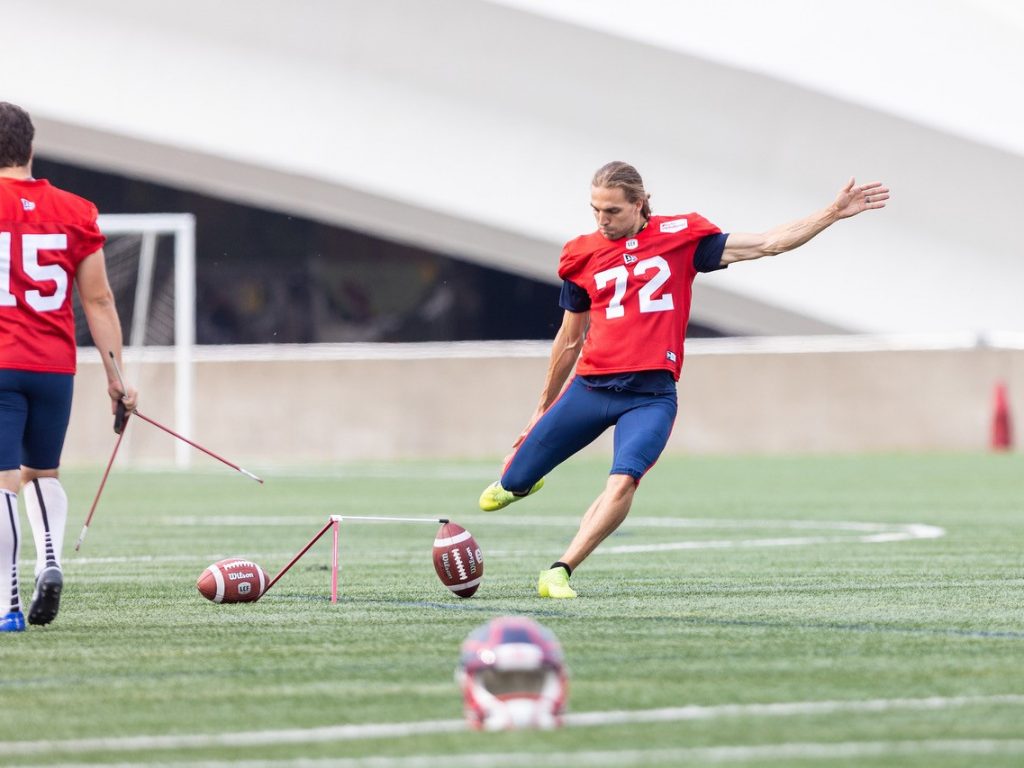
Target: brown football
(458,560)
(234,580)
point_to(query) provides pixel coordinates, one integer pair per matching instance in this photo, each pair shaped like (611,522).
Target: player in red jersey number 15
(49,240)
(626,293)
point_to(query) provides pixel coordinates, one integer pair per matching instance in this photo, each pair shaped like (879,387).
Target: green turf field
(854,611)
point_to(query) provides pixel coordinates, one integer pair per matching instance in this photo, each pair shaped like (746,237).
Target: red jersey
(45,233)
(640,290)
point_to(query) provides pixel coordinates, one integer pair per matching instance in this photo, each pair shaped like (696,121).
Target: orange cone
(1002,428)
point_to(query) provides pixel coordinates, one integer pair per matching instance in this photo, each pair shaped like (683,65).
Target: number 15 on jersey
(31,245)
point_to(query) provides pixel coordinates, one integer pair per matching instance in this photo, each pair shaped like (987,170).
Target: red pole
(334,562)
(197,446)
(103,482)
(1002,423)
(295,559)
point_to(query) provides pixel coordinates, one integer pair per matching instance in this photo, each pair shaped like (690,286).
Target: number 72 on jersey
(648,302)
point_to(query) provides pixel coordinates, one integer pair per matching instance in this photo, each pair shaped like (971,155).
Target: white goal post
(149,227)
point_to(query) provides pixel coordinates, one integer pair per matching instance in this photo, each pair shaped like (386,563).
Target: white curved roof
(473,127)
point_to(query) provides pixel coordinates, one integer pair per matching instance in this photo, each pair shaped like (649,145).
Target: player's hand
(526,430)
(129,399)
(515,447)
(121,404)
(852,199)
(522,436)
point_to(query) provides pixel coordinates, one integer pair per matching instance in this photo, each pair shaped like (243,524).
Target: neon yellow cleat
(495,497)
(555,583)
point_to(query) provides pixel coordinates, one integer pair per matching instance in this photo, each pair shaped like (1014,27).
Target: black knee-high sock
(46,505)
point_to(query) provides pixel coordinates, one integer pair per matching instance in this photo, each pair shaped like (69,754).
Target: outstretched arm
(850,201)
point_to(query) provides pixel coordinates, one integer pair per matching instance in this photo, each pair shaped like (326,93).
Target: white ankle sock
(47,507)
(10,546)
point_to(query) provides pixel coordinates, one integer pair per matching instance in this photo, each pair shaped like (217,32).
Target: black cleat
(46,600)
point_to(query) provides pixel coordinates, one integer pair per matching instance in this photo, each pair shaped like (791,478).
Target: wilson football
(234,580)
(458,560)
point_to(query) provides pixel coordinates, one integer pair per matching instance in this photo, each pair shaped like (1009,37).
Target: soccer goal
(151,265)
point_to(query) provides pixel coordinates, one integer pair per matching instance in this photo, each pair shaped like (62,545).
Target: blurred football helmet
(512,673)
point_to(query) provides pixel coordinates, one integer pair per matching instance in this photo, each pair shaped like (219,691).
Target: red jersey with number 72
(640,290)
(45,233)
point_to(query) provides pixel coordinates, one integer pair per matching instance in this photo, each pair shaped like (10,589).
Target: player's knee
(623,483)
(28,474)
(517,482)
(10,480)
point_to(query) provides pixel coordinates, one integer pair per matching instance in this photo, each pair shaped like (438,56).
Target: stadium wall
(330,404)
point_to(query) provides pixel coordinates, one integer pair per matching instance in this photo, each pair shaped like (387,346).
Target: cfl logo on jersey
(632,243)
(629,258)
(670,356)
(28,205)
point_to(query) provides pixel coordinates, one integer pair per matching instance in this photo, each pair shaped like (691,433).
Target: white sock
(10,546)
(47,507)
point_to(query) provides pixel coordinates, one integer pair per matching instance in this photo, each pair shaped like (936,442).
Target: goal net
(150,261)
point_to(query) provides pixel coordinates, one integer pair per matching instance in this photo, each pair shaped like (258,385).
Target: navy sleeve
(708,256)
(573,298)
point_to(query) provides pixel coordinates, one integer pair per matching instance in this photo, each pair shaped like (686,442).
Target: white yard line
(367,731)
(623,758)
(842,532)
(866,533)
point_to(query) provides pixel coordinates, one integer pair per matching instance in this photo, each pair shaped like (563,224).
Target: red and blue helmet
(513,675)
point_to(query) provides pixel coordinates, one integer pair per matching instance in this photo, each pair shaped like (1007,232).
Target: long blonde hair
(624,176)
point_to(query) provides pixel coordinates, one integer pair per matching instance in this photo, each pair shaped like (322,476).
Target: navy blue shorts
(642,421)
(34,412)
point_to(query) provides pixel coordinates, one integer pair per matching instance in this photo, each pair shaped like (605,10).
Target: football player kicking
(48,239)
(626,294)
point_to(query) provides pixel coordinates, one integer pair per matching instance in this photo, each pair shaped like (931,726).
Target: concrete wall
(325,411)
